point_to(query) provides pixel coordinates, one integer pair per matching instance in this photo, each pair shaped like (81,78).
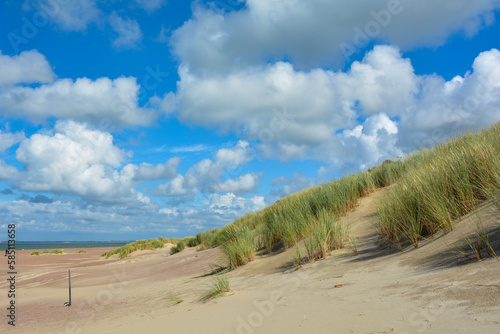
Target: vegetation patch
(218,287)
(124,251)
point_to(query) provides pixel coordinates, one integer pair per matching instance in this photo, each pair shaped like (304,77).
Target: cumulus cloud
(8,139)
(148,172)
(79,160)
(210,176)
(75,159)
(7,172)
(213,41)
(246,183)
(27,67)
(289,185)
(315,114)
(446,108)
(68,15)
(231,205)
(128,30)
(103,102)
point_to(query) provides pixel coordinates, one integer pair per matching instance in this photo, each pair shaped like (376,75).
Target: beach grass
(430,189)
(218,286)
(125,250)
(449,182)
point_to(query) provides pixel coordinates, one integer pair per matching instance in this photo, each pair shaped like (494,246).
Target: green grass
(218,286)
(449,182)
(430,190)
(35,253)
(329,234)
(178,248)
(82,252)
(297,258)
(238,246)
(124,251)
(57,251)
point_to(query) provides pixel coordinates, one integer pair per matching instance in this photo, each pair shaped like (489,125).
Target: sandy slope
(432,289)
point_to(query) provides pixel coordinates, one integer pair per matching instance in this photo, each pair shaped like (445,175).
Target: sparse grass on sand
(124,251)
(54,251)
(82,252)
(218,286)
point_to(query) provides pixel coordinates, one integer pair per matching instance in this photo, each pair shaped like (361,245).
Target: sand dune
(431,289)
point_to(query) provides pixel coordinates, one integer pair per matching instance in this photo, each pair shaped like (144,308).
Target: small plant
(310,248)
(175,300)
(354,247)
(35,253)
(82,252)
(483,238)
(218,286)
(45,252)
(297,257)
(178,248)
(57,251)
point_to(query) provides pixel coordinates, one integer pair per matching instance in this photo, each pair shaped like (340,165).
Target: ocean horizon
(20,245)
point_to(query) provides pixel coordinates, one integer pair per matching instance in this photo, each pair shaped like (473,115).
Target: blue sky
(123,120)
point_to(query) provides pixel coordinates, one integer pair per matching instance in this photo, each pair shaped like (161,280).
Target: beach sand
(431,289)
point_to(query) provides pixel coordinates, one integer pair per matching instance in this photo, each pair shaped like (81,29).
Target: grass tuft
(218,287)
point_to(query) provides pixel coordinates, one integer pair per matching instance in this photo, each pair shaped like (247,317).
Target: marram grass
(450,182)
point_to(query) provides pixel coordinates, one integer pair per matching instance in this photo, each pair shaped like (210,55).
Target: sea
(62,244)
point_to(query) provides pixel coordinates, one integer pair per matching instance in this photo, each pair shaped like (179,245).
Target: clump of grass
(328,234)
(178,248)
(176,300)
(218,287)
(238,246)
(57,251)
(483,239)
(35,253)
(451,180)
(297,258)
(82,252)
(124,251)
(45,252)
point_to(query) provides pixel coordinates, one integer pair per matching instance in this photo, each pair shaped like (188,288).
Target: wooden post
(69,278)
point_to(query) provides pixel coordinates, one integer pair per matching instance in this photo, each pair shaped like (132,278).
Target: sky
(122,120)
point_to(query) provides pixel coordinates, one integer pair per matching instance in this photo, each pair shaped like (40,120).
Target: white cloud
(190,149)
(289,185)
(69,15)
(79,160)
(246,183)
(301,114)
(151,5)
(75,159)
(103,102)
(230,205)
(128,30)
(372,142)
(9,139)
(147,172)
(7,172)
(208,176)
(27,67)
(311,33)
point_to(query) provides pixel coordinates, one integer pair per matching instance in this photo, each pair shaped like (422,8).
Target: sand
(431,289)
